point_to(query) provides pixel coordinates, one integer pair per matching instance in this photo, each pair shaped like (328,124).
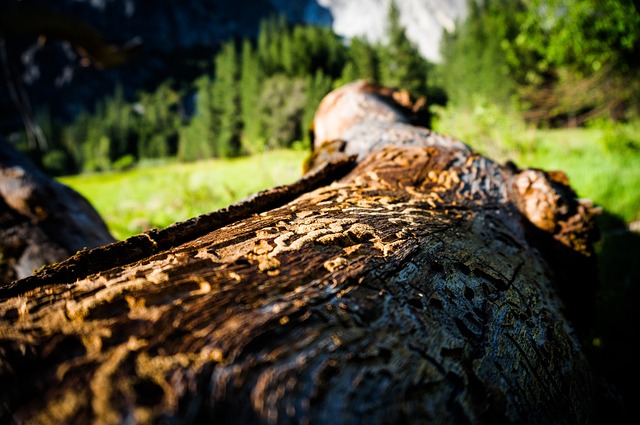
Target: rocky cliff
(423,19)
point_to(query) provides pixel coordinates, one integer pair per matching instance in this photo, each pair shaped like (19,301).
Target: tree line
(261,94)
(557,62)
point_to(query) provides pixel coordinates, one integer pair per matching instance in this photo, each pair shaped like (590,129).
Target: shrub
(618,137)
(125,162)
(57,162)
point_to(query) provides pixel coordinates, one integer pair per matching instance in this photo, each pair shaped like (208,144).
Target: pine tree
(335,52)
(157,122)
(281,106)
(226,102)
(301,51)
(118,116)
(363,62)
(318,86)
(97,149)
(401,64)
(474,62)
(251,77)
(196,139)
(270,40)
(74,137)
(287,57)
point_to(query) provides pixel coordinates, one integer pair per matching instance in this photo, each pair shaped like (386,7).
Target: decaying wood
(415,288)
(41,220)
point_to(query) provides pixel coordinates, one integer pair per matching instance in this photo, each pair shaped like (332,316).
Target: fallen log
(405,279)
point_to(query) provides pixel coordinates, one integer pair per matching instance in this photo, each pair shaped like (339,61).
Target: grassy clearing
(602,162)
(156,196)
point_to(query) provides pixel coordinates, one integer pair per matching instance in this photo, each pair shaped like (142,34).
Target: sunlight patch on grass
(137,200)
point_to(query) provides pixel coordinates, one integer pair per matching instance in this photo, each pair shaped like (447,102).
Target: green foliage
(260,96)
(363,62)
(118,127)
(74,136)
(579,56)
(56,162)
(196,138)
(556,61)
(564,61)
(281,107)
(270,43)
(299,51)
(123,163)
(583,35)
(225,103)
(251,80)
(96,140)
(400,62)
(493,130)
(617,137)
(474,62)
(157,122)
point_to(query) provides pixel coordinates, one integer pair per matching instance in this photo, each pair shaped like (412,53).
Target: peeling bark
(414,288)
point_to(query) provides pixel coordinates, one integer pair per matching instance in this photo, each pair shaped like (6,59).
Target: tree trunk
(41,220)
(415,288)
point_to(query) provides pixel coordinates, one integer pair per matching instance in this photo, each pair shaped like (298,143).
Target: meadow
(155,195)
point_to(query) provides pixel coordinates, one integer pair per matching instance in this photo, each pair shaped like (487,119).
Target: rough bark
(41,220)
(412,289)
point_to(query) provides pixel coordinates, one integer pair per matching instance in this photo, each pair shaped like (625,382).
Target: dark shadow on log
(417,287)
(618,321)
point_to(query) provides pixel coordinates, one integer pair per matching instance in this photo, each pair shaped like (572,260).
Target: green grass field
(148,197)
